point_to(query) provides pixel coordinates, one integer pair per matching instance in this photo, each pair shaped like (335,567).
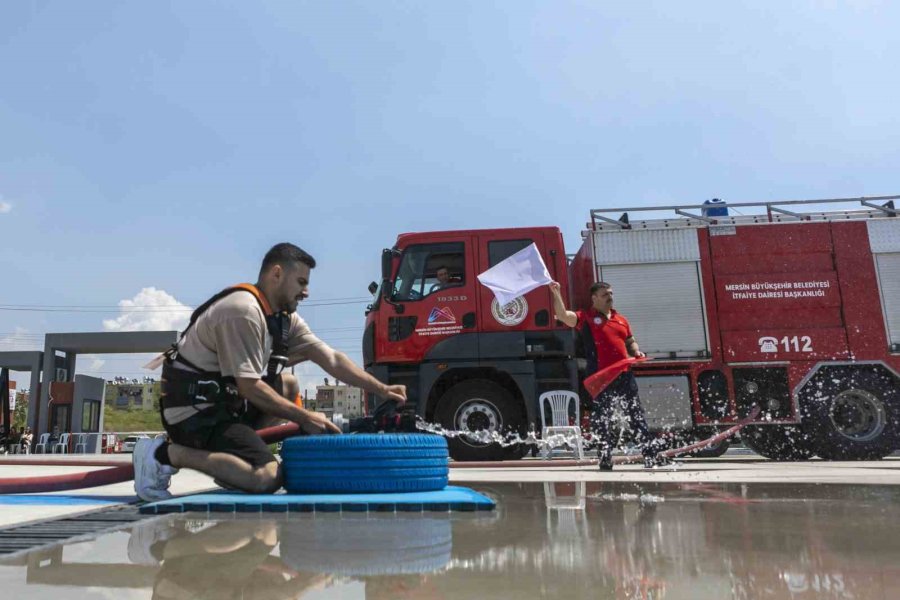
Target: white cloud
(21,340)
(95,363)
(5,207)
(150,310)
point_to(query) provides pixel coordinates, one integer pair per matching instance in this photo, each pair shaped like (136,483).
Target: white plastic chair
(566,517)
(81,443)
(62,445)
(559,402)
(41,446)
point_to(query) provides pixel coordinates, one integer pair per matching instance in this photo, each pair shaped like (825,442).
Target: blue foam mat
(450,498)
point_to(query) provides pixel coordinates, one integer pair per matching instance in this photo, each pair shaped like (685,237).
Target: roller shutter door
(663,302)
(889,278)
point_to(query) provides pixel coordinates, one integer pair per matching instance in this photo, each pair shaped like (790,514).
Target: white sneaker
(151,479)
(143,543)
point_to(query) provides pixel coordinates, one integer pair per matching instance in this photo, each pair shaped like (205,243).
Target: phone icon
(768,344)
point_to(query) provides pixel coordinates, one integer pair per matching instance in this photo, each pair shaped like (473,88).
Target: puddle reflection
(544,540)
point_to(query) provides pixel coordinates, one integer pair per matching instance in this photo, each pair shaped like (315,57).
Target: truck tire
(477,405)
(364,463)
(852,414)
(778,442)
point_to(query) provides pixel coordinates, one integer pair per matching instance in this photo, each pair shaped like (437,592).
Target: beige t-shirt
(231,337)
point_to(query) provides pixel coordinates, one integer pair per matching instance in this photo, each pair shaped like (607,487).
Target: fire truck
(781,305)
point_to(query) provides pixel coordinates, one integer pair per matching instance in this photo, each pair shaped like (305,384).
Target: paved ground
(728,469)
(734,467)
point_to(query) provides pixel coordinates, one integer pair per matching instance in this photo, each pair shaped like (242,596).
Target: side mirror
(387,256)
(387,284)
(373,287)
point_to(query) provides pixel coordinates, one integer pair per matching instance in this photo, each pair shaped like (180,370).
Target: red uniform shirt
(609,335)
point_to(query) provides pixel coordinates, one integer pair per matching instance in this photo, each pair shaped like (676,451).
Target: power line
(179,305)
(150,309)
(40,336)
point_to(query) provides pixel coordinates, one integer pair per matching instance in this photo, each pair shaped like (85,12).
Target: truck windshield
(428,268)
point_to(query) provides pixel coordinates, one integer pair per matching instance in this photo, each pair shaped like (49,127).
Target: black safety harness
(200,387)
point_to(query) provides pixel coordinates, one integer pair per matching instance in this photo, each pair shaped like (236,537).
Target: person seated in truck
(607,339)
(444,280)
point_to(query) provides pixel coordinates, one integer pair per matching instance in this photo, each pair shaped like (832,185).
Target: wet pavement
(545,540)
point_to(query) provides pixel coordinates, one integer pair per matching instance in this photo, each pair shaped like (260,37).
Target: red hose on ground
(70,481)
(119,473)
(719,437)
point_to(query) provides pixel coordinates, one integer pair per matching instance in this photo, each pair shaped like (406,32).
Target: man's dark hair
(444,267)
(600,285)
(286,254)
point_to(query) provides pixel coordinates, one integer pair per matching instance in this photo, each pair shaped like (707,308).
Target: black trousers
(622,392)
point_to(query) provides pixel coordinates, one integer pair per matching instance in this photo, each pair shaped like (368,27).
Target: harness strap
(280,328)
(189,389)
(277,324)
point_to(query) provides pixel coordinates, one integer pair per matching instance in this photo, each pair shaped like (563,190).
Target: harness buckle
(206,382)
(279,363)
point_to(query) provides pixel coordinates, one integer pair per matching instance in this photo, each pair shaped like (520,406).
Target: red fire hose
(118,473)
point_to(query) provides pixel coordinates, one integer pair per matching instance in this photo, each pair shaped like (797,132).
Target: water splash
(643,498)
(484,436)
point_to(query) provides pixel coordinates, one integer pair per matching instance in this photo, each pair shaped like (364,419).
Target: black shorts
(235,437)
(232,430)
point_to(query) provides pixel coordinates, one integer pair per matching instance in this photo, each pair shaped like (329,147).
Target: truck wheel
(480,405)
(778,442)
(852,415)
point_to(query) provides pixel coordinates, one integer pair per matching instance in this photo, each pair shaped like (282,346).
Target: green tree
(20,414)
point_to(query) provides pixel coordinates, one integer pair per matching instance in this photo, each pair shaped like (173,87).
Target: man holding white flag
(607,338)
(517,275)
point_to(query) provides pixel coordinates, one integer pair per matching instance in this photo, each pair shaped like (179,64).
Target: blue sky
(167,145)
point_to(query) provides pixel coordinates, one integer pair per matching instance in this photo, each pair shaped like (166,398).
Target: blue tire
(364,463)
(371,546)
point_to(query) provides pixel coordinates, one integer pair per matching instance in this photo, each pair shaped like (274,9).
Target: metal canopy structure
(61,350)
(26,361)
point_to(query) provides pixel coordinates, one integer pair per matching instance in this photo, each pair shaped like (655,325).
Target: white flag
(516,276)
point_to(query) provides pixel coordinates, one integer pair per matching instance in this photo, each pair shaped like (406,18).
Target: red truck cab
(467,362)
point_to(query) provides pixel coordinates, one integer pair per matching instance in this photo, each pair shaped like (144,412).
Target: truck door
(435,286)
(525,313)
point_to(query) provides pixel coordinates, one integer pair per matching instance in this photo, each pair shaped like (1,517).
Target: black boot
(656,460)
(606,463)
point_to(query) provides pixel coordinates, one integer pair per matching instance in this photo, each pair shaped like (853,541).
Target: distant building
(339,399)
(123,393)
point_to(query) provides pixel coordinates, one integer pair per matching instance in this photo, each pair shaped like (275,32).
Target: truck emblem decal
(441,316)
(510,314)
